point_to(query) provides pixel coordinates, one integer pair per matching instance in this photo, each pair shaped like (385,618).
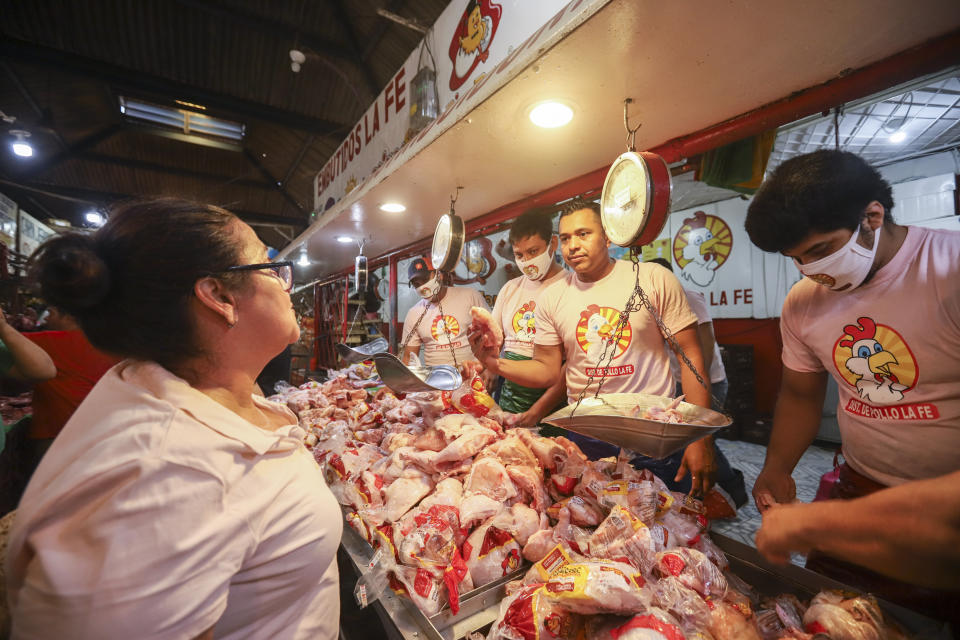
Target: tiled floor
(749,459)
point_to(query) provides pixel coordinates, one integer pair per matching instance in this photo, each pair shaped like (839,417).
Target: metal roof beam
(143,165)
(340,12)
(255,161)
(393,7)
(132,79)
(88,142)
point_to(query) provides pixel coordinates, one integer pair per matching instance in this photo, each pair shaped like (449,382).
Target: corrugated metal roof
(65,64)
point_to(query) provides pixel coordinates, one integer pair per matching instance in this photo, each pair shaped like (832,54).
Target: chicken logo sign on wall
(876,361)
(700,247)
(470,44)
(596,330)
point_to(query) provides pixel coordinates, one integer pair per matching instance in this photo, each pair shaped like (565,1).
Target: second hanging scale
(412,377)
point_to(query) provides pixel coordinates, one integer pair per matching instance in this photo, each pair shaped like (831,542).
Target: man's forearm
(30,361)
(795,426)
(910,532)
(550,398)
(527,373)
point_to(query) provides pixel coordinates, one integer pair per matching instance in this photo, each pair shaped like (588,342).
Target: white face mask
(536,268)
(844,269)
(429,289)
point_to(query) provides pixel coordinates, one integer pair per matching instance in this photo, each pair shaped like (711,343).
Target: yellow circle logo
(701,247)
(445,328)
(876,360)
(597,329)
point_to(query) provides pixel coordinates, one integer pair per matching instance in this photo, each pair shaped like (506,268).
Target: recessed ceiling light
(304,260)
(898,136)
(344,239)
(392,207)
(20,145)
(551,114)
(94,217)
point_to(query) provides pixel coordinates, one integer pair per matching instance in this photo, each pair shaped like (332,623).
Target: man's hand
(470,368)
(487,356)
(700,460)
(773,487)
(782,532)
(527,420)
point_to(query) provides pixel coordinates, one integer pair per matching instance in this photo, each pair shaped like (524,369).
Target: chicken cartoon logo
(597,329)
(524,324)
(444,329)
(875,360)
(702,245)
(471,42)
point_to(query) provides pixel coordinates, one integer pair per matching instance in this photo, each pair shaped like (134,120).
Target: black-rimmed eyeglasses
(282,270)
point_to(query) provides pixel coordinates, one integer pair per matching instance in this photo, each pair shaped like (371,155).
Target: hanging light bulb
(20,145)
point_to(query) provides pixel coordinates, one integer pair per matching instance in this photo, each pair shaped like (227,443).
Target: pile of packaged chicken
(453,501)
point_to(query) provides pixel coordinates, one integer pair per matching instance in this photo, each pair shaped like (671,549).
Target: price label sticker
(375,559)
(361,595)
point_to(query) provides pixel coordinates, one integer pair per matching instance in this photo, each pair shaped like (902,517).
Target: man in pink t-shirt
(879,311)
(577,318)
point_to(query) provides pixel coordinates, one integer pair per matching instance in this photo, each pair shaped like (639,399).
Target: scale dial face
(447,243)
(626,200)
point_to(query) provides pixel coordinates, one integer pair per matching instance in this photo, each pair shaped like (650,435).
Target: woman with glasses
(175,503)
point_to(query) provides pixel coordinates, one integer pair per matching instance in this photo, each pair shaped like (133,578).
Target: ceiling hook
(453,198)
(631,132)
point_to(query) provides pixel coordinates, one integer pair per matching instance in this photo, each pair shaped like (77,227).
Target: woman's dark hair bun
(71,274)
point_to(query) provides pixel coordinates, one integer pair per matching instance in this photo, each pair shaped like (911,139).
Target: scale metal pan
(363,352)
(608,417)
(635,200)
(403,379)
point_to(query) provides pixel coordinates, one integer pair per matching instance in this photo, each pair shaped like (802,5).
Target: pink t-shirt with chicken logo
(583,316)
(515,311)
(893,347)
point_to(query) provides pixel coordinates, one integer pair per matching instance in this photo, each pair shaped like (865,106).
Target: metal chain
(638,294)
(446,332)
(403,347)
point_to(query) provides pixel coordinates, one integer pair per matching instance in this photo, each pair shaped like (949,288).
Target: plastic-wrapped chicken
(528,615)
(490,554)
(651,624)
(640,498)
(682,602)
(616,527)
(582,513)
(420,585)
(781,617)
(597,586)
(857,618)
(694,570)
(727,623)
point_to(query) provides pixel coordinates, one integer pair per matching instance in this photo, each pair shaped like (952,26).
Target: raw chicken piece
(448,491)
(452,425)
(520,521)
(726,623)
(405,492)
(483,321)
(426,460)
(393,441)
(638,550)
(574,460)
(640,498)
(430,404)
(490,478)
(683,603)
(470,441)
(550,453)
(530,481)
(617,527)
(431,440)
(477,507)
(539,545)
(511,450)
(490,554)
(544,540)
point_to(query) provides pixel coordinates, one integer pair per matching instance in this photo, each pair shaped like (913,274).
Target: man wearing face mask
(534,248)
(577,320)
(444,337)
(879,310)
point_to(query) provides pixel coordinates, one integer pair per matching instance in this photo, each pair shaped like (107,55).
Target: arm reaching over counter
(910,532)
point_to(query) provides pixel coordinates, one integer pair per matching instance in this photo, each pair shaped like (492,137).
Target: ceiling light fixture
(20,145)
(898,136)
(344,239)
(551,114)
(304,260)
(392,207)
(297,58)
(94,217)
